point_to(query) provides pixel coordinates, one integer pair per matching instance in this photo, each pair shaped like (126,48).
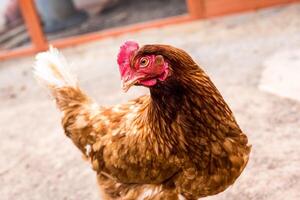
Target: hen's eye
(144,62)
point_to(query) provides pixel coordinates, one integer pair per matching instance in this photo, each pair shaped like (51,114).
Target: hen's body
(181,140)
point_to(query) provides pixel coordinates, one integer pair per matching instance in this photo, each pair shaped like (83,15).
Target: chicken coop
(31,25)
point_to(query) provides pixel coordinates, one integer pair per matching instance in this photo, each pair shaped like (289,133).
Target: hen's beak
(127,83)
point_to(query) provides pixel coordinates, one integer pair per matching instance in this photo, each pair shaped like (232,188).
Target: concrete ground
(246,55)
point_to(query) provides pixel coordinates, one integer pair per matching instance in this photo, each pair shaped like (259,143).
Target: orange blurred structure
(197,9)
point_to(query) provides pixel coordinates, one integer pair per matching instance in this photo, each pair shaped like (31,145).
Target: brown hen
(179,142)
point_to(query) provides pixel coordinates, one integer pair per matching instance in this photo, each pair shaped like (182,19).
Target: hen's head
(141,68)
(153,65)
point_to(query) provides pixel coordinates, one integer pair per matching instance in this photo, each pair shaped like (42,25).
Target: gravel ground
(38,162)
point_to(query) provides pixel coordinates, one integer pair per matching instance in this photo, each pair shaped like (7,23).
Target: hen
(180,142)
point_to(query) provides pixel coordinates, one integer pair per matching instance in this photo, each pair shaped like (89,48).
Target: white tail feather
(52,68)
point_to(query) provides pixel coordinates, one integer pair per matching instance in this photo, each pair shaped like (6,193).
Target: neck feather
(184,106)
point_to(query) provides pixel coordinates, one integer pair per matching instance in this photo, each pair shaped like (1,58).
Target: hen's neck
(183,108)
(166,100)
(177,93)
(192,95)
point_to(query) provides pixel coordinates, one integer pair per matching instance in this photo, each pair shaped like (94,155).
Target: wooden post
(196,8)
(33,24)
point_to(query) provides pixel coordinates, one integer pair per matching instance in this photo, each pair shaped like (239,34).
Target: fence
(197,9)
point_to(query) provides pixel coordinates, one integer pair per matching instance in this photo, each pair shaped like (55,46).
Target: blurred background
(250,49)
(60,19)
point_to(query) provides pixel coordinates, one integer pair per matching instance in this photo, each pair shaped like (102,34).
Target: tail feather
(78,109)
(52,68)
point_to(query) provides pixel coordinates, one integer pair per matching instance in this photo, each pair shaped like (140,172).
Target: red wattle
(150,82)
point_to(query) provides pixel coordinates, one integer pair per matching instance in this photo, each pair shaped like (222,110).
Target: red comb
(126,51)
